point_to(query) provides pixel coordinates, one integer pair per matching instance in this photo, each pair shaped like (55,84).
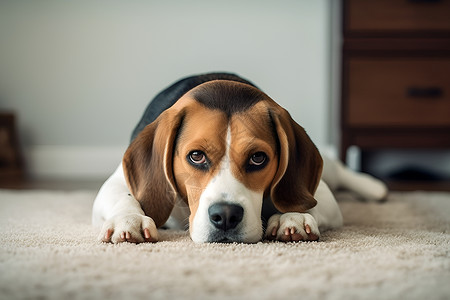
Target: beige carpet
(396,250)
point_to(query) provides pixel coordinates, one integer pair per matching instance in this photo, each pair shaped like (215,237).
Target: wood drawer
(398,92)
(397,15)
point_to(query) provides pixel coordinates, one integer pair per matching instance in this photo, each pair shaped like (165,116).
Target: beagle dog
(217,155)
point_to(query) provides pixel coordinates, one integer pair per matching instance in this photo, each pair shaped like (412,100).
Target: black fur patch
(227,96)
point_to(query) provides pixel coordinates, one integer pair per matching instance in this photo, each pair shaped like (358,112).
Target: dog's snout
(225,216)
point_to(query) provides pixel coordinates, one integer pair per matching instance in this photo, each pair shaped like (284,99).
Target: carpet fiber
(398,249)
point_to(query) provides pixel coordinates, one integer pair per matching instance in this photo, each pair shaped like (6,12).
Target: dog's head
(222,148)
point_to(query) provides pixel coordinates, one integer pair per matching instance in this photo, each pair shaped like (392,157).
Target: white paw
(292,227)
(134,228)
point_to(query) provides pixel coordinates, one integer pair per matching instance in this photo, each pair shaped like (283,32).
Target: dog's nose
(225,216)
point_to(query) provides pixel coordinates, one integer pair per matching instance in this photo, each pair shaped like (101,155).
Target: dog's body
(216,150)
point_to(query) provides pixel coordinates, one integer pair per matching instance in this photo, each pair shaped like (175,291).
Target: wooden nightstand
(396,75)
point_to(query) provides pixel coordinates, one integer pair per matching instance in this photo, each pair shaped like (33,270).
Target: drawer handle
(428,92)
(424,1)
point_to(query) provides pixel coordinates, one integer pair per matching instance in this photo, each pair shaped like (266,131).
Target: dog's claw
(107,236)
(148,237)
(274,231)
(147,233)
(307,229)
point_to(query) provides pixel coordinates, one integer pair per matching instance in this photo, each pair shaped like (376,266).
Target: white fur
(116,210)
(119,212)
(225,187)
(336,175)
(325,215)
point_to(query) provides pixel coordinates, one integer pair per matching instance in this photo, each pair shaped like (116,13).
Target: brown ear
(299,168)
(147,166)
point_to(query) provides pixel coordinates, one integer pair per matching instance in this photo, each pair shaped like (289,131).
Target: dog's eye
(257,162)
(197,158)
(258,159)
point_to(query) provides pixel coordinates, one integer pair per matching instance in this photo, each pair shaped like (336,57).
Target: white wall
(80,73)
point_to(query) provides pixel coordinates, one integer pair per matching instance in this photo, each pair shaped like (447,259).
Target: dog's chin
(226,237)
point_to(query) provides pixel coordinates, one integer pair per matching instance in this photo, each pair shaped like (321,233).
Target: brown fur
(300,166)
(147,165)
(251,131)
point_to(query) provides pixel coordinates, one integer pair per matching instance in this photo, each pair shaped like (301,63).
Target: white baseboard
(72,162)
(86,162)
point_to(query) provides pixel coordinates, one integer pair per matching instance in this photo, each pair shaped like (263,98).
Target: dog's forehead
(227,96)
(215,108)
(203,125)
(201,122)
(255,121)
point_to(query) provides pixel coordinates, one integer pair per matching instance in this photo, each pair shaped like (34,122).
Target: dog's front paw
(133,228)
(292,227)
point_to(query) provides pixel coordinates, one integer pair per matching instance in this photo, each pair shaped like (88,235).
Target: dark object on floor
(11,163)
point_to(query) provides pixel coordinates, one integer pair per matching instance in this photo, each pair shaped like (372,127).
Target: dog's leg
(295,226)
(120,215)
(336,175)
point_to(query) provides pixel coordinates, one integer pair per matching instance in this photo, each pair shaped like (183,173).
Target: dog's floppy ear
(299,167)
(147,166)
